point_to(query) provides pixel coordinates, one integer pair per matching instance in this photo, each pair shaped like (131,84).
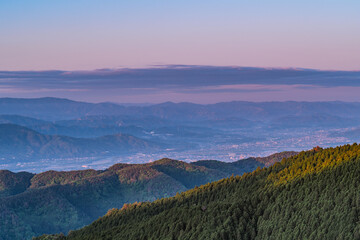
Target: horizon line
(181,66)
(171,102)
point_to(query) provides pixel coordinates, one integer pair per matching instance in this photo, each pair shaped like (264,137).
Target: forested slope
(313,195)
(52,201)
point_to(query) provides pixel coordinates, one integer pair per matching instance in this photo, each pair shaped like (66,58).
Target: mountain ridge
(312,195)
(60,201)
(30,144)
(63,109)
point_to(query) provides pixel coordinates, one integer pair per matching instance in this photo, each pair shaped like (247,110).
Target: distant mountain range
(64,109)
(312,195)
(61,128)
(23,143)
(49,202)
(87,127)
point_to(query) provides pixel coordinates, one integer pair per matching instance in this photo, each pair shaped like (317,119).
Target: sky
(94,34)
(182,51)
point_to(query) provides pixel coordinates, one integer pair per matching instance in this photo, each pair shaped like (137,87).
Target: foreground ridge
(52,201)
(313,195)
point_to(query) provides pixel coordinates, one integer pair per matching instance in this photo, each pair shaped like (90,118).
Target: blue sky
(85,35)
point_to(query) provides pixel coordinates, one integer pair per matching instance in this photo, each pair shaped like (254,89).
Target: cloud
(176,80)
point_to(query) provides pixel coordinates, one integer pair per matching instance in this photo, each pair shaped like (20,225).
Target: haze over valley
(60,134)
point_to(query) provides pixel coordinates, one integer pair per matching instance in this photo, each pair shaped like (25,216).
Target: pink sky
(87,35)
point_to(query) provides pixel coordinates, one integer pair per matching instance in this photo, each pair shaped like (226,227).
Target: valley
(183,131)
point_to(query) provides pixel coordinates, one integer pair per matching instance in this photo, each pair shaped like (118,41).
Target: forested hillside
(313,195)
(51,202)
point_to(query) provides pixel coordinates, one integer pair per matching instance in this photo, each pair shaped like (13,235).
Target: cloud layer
(201,84)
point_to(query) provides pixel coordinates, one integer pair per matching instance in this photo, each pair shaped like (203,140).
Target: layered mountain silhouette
(63,109)
(23,143)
